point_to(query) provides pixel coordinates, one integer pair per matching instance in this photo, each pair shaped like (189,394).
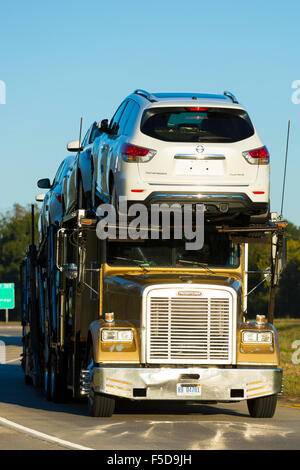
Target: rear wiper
(213,139)
(202,265)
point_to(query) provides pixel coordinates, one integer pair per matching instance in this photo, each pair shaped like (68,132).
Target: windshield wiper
(138,261)
(202,265)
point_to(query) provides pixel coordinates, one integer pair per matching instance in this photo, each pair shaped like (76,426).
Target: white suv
(186,148)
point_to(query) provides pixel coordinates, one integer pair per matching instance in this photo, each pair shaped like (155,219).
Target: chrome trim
(198,196)
(206,185)
(84,382)
(160,383)
(212,292)
(199,157)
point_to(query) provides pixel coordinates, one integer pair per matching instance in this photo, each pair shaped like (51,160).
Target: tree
(15,236)
(288,298)
(259,260)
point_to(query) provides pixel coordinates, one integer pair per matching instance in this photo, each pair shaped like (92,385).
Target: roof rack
(231,96)
(145,94)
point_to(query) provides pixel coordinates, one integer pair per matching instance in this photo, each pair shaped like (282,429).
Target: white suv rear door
(205,158)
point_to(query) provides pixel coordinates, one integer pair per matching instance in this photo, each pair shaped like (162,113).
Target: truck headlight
(117,335)
(257,337)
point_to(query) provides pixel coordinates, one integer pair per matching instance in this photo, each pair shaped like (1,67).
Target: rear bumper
(213,384)
(215,203)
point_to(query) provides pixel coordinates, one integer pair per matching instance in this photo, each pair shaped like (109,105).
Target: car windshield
(217,252)
(197,124)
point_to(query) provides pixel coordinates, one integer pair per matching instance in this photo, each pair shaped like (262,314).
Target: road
(29,421)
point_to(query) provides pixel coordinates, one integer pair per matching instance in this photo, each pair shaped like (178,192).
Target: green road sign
(7,296)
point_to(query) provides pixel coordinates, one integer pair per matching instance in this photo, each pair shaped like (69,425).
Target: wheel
(100,406)
(114,198)
(55,381)
(28,380)
(94,202)
(262,407)
(48,381)
(81,200)
(261,219)
(63,206)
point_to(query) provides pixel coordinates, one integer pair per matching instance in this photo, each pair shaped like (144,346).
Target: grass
(289,331)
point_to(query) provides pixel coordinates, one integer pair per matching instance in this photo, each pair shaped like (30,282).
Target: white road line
(41,435)
(12,360)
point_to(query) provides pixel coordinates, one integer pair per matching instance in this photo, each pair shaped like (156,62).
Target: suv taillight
(133,153)
(257,156)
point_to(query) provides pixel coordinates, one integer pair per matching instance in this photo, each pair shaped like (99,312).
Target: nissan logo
(200,148)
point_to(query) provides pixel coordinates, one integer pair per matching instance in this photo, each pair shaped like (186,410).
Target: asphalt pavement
(28,421)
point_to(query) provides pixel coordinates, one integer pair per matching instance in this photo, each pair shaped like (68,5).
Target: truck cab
(149,319)
(173,326)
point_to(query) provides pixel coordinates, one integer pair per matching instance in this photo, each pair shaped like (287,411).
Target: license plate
(199,167)
(188,389)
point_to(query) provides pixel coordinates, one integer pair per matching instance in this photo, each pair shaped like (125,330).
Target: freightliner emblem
(189,292)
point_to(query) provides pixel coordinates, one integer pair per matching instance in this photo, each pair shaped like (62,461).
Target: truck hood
(140,282)
(123,294)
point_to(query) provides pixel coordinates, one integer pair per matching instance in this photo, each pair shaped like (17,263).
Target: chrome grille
(189,329)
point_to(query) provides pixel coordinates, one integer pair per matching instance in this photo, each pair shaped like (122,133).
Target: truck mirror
(103,125)
(40,197)
(44,183)
(74,146)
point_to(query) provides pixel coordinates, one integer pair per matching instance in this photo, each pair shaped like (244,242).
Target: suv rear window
(197,124)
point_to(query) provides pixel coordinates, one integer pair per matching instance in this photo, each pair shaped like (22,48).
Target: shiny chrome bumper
(212,384)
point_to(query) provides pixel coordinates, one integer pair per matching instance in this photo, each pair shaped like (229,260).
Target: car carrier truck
(123,319)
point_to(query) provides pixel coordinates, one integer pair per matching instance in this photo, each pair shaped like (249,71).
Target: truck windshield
(217,252)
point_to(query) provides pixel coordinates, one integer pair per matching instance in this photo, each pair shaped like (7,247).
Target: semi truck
(115,319)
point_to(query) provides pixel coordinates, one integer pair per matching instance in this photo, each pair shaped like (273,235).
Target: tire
(260,219)
(100,406)
(55,382)
(262,407)
(81,200)
(94,200)
(63,206)
(114,198)
(28,380)
(48,382)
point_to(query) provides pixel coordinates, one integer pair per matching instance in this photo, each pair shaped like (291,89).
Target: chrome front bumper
(211,384)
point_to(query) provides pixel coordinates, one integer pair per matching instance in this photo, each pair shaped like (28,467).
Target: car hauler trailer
(147,319)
